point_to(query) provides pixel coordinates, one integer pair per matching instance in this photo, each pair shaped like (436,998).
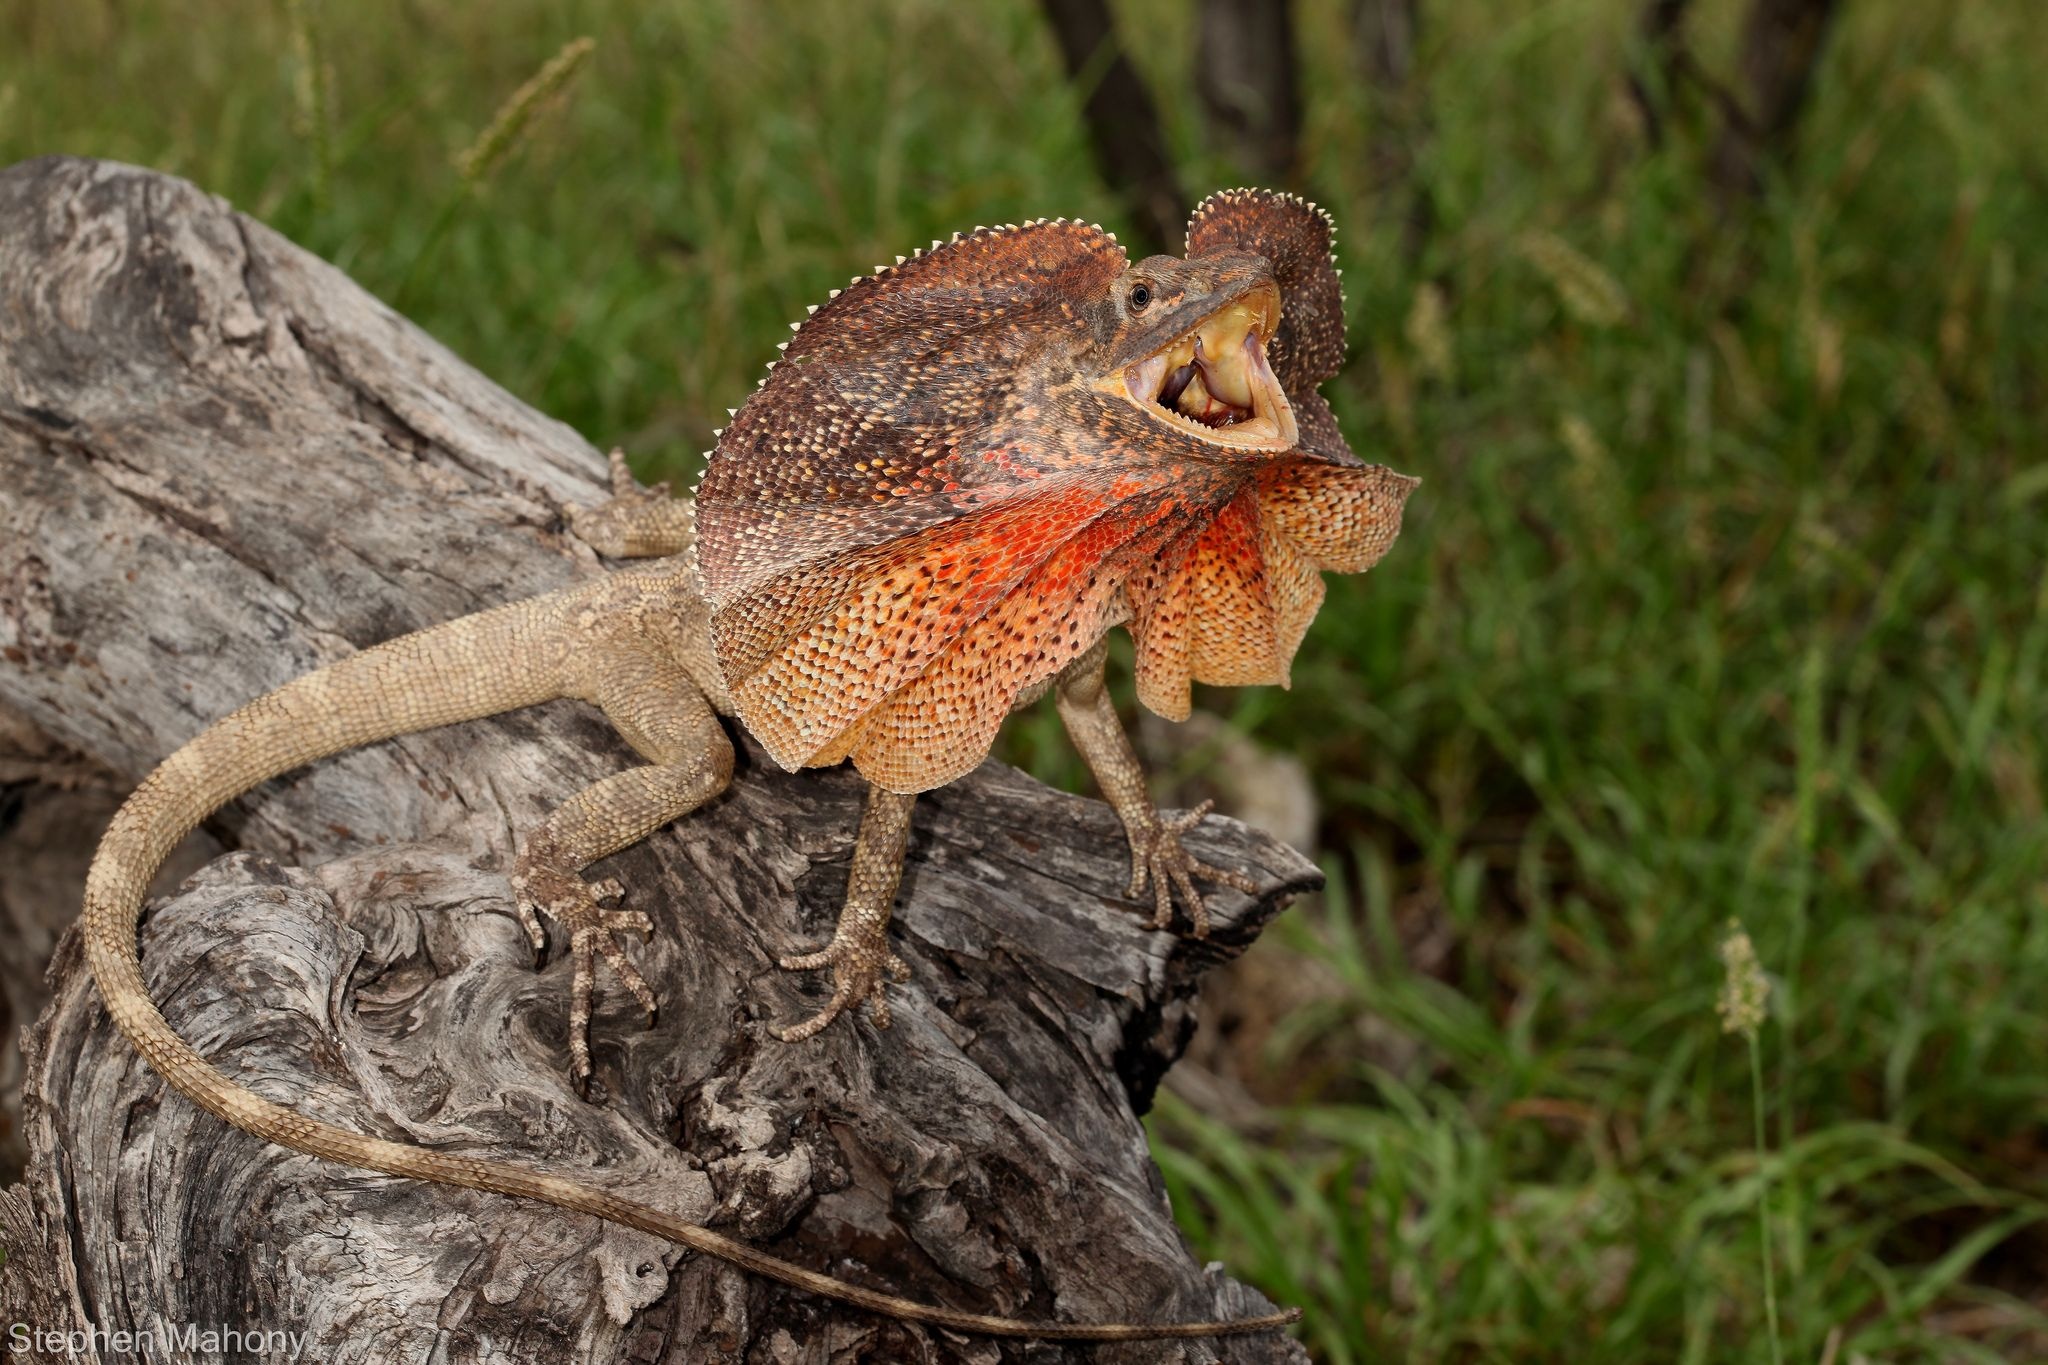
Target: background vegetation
(1723,597)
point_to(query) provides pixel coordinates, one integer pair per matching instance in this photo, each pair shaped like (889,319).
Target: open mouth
(1214,382)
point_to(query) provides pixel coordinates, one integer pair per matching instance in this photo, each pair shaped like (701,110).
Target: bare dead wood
(1123,124)
(46,838)
(1388,34)
(53,805)
(1245,78)
(222,464)
(1653,78)
(37,1283)
(1782,45)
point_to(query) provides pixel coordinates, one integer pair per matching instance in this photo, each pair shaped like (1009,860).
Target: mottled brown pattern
(917,458)
(937,504)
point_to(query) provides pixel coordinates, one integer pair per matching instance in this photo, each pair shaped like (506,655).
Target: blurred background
(1717,330)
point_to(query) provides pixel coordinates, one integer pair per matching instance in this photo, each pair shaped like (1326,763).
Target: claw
(580,907)
(1159,860)
(622,474)
(859,968)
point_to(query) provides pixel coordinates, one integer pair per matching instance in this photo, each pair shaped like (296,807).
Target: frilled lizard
(963,472)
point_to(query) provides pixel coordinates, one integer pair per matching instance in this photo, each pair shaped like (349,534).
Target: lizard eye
(1140,297)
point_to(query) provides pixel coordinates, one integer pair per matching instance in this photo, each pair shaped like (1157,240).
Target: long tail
(434,677)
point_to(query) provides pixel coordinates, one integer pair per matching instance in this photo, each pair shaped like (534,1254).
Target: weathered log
(222,464)
(53,806)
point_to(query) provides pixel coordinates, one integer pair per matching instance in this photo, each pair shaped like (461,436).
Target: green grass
(1724,594)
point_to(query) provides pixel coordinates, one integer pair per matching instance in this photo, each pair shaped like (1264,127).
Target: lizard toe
(809,1028)
(593,931)
(1162,900)
(861,970)
(1174,874)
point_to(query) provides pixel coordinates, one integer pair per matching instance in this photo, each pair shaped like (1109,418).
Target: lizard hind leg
(652,702)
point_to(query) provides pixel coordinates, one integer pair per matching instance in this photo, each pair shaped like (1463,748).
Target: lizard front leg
(635,522)
(859,953)
(653,703)
(1157,857)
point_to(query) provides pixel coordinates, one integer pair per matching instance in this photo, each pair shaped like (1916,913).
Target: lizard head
(969,465)
(1184,343)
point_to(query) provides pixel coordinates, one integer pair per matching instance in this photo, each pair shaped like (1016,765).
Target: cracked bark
(222,464)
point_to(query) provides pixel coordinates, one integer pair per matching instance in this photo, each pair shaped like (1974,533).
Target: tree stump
(223,464)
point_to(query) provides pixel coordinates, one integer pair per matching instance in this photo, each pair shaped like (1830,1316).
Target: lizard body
(851,628)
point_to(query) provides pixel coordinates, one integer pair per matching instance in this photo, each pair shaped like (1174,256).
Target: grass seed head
(481,157)
(1745,991)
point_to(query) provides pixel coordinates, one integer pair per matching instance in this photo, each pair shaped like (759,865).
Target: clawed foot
(1157,858)
(579,907)
(614,527)
(861,971)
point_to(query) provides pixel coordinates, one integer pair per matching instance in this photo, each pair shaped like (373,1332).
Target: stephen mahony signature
(84,1343)
(22,1338)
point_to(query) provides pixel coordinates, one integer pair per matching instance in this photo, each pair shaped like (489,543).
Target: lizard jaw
(1214,382)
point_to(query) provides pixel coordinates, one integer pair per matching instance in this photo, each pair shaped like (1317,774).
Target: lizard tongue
(1195,400)
(1227,375)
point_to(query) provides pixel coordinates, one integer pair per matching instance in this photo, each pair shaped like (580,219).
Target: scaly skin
(939,505)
